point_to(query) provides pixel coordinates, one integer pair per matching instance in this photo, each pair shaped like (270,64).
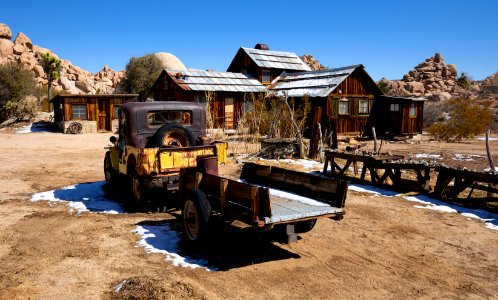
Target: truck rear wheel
(171,135)
(138,193)
(195,215)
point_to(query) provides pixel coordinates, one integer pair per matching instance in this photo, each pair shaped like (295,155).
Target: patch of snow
(490,219)
(305,163)
(290,196)
(425,155)
(82,197)
(466,157)
(489,169)
(33,128)
(163,239)
(483,138)
(372,190)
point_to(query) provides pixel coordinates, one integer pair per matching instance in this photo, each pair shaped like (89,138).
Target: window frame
(396,107)
(76,114)
(341,105)
(268,74)
(412,110)
(360,101)
(183,114)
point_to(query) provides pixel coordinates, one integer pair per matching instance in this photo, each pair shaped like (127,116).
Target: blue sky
(388,37)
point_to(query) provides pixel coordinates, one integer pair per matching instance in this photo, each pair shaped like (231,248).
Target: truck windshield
(158,118)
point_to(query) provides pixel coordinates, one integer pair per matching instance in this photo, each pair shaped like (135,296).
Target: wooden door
(103,113)
(395,118)
(229,113)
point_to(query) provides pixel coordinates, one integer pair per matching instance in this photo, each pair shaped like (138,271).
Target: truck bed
(288,207)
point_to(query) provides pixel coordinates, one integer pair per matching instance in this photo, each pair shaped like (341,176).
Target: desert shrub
(141,73)
(435,112)
(467,119)
(16,84)
(464,81)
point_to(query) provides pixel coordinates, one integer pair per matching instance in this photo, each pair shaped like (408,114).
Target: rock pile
(432,79)
(73,79)
(312,62)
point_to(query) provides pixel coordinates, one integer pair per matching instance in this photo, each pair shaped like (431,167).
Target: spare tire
(171,135)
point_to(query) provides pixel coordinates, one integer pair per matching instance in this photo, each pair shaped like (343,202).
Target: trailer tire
(171,135)
(196,212)
(304,226)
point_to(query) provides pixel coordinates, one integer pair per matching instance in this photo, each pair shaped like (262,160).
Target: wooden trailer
(263,197)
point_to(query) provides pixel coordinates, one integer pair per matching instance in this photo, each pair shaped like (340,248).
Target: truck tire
(171,135)
(304,226)
(109,173)
(138,193)
(195,215)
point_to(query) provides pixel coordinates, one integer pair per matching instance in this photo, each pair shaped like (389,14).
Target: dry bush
(467,119)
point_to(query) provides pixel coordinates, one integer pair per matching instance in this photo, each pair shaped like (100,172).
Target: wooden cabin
(96,113)
(348,101)
(226,92)
(396,116)
(266,65)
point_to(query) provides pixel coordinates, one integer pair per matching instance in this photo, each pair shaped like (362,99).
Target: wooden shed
(266,65)
(348,101)
(226,92)
(398,115)
(96,113)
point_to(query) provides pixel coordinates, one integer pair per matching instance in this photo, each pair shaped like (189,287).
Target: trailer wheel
(171,135)
(304,226)
(109,172)
(195,215)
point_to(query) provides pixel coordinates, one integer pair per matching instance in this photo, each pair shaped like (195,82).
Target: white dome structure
(169,61)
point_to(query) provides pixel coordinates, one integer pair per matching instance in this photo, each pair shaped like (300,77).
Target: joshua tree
(52,67)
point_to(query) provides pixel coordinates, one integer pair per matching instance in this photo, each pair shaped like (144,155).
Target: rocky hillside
(432,79)
(312,62)
(72,79)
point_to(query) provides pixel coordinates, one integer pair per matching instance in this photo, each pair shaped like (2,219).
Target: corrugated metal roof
(276,59)
(313,83)
(198,80)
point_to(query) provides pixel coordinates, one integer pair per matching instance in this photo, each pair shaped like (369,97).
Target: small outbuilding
(94,113)
(226,92)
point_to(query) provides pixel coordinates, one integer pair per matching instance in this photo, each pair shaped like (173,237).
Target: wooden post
(315,127)
(375,140)
(491,163)
(320,143)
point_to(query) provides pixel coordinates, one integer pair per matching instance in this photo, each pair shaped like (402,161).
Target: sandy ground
(384,247)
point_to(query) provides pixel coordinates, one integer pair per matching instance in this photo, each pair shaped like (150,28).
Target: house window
(165,85)
(116,112)
(394,106)
(265,76)
(413,110)
(363,106)
(79,111)
(344,107)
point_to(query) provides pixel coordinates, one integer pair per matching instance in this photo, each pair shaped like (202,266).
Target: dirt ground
(383,248)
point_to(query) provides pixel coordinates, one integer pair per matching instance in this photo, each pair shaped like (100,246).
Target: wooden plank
(223,195)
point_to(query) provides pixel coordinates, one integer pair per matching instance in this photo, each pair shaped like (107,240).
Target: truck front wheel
(109,172)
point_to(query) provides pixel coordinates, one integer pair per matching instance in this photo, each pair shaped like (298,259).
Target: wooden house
(226,92)
(96,113)
(348,101)
(266,65)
